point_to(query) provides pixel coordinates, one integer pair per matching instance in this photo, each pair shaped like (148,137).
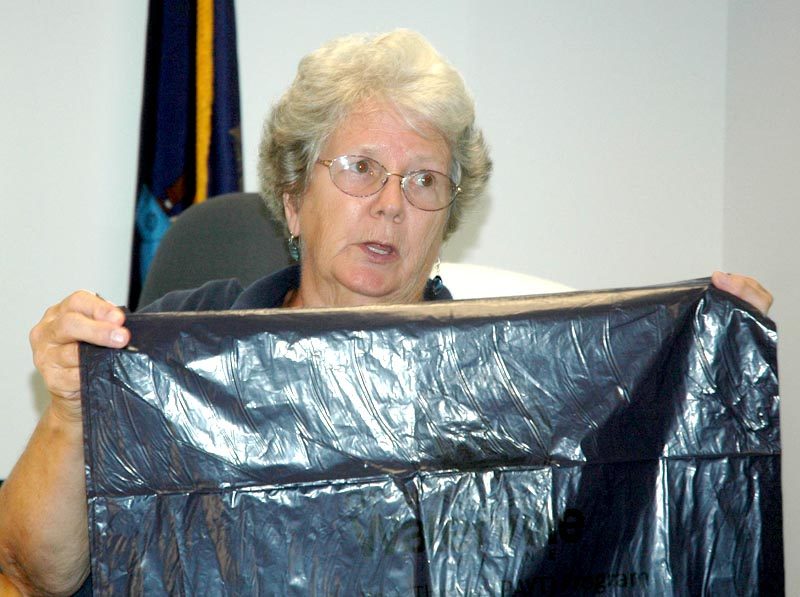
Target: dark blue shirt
(267,293)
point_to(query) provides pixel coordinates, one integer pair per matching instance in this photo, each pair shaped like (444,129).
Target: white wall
(610,125)
(70,94)
(606,124)
(762,201)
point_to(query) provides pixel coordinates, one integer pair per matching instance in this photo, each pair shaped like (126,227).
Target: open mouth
(379,251)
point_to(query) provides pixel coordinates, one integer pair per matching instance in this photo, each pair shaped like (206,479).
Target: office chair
(229,236)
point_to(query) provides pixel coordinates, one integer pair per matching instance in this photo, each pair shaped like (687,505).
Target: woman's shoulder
(215,295)
(223,295)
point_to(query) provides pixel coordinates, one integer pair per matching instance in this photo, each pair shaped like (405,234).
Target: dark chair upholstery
(230,236)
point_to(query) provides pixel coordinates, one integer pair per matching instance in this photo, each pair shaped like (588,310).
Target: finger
(93,306)
(61,356)
(62,381)
(76,327)
(58,365)
(746,288)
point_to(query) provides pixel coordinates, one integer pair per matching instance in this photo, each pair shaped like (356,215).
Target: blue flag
(190,139)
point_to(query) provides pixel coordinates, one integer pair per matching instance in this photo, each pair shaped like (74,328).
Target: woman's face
(368,250)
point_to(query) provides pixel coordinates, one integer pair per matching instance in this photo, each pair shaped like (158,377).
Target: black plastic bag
(621,442)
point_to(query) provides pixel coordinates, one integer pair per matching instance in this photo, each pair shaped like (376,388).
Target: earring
(294,247)
(436,281)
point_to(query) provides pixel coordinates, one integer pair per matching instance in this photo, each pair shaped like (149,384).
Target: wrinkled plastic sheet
(622,442)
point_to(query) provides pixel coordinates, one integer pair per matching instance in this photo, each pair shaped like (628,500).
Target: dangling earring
(436,281)
(294,247)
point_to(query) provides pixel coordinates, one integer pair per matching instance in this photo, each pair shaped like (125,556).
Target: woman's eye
(362,167)
(425,179)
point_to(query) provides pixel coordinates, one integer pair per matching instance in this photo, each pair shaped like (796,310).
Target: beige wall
(70,96)
(606,123)
(762,201)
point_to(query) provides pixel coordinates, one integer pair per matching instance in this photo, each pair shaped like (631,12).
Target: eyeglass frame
(456,189)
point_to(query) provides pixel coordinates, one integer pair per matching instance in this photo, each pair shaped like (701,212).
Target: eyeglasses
(360,176)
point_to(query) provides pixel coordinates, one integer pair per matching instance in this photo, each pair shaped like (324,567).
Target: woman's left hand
(745,288)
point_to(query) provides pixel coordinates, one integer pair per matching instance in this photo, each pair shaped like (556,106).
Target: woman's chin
(372,287)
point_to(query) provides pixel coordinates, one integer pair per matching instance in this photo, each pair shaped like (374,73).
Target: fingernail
(117,337)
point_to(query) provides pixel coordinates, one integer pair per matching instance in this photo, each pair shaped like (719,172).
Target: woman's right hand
(81,317)
(44,546)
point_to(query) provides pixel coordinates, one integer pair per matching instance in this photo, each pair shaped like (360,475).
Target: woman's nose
(390,201)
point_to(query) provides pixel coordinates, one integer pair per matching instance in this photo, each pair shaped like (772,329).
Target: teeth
(379,250)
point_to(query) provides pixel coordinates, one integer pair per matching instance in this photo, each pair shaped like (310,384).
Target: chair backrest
(230,236)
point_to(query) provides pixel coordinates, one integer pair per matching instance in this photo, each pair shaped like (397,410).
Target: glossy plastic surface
(619,442)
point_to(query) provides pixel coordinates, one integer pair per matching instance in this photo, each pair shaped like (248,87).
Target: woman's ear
(291,209)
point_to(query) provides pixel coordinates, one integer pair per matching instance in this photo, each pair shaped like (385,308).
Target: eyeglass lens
(361,176)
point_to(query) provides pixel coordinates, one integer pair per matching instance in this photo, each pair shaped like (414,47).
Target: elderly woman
(369,161)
